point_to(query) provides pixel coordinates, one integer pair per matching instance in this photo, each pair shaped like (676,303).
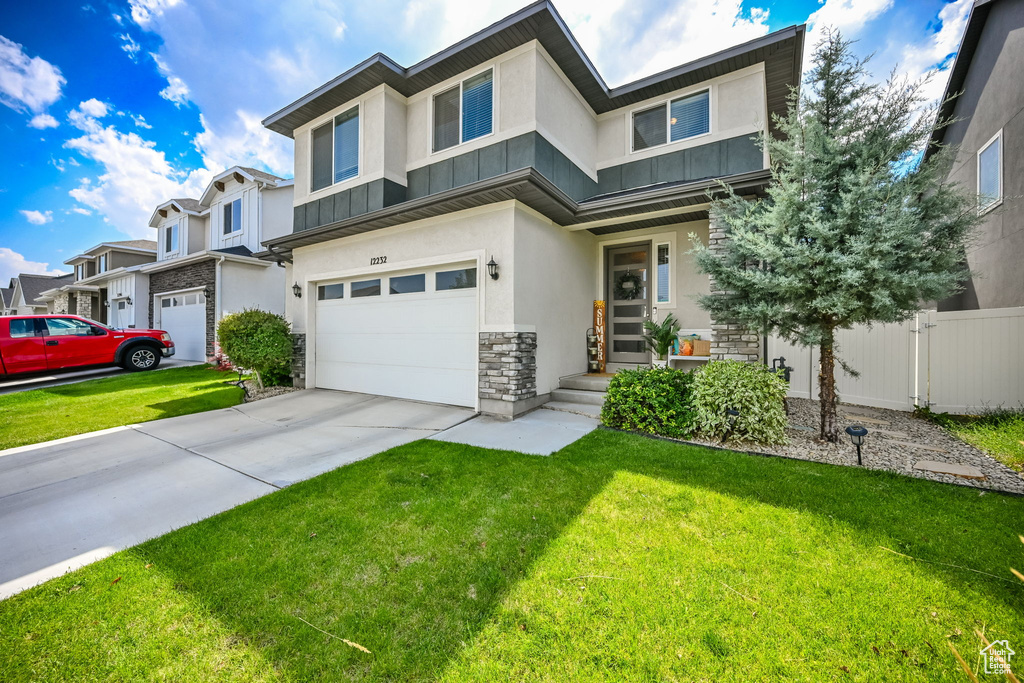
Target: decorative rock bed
(255,394)
(896,442)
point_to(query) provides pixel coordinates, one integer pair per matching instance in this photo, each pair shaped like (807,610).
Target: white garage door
(183,316)
(410,335)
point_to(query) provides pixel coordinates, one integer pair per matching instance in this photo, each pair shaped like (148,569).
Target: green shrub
(257,341)
(651,401)
(750,388)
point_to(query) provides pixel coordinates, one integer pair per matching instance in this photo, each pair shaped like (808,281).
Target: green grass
(39,415)
(1000,433)
(619,558)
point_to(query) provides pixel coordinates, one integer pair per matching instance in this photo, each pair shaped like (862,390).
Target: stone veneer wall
(83,305)
(299,361)
(60,303)
(729,340)
(201,274)
(508,371)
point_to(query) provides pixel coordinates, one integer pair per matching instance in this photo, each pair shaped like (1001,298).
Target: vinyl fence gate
(955,362)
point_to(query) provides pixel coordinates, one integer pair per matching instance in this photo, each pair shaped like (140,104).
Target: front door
(628,276)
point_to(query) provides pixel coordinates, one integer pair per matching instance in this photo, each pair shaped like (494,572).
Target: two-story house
(459,224)
(26,290)
(205,268)
(988,132)
(106,285)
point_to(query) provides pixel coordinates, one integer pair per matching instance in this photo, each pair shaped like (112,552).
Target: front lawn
(37,415)
(619,558)
(999,433)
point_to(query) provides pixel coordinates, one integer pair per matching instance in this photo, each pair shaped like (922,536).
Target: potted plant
(660,336)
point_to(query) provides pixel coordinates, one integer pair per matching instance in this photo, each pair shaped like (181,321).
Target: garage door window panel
(408,284)
(464,278)
(365,288)
(330,292)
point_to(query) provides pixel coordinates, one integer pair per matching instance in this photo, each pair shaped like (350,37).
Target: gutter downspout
(217,296)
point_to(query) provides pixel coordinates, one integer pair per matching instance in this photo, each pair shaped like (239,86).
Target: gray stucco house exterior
(990,160)
(459,223)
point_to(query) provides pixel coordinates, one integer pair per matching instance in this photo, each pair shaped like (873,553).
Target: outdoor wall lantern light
(492,269)
(857,434)
(297,291)
(128,301)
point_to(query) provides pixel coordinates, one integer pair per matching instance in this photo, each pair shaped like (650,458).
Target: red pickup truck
(44,343)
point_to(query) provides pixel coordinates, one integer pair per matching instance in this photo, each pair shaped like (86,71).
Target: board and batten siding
(952,361)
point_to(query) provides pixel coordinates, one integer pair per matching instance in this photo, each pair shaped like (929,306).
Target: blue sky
(137,101)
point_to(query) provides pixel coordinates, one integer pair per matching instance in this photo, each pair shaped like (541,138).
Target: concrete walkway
(69,502)
(541,432)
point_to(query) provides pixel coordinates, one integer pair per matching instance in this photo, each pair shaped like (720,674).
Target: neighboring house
(509,149)
(107,285)
(28,288)
(6,296)
(205,268)
(990,160)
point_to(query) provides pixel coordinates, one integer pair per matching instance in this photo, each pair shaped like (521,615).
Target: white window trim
(998,137)
(710,88)
(494,110)
(163,242)
(241,220)
(359,152)
(657,276)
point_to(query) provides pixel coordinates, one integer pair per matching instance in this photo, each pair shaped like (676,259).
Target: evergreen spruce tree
(853,229)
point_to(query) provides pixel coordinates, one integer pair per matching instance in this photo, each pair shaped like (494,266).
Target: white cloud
(37,217)
(140,121)
(935,52)
(85,116)
(144,12)
(13,264)
(176,91)
(847,16)
(129,45)
(83,211)
(246,143)
(136,176)
(42,121)
(27,84)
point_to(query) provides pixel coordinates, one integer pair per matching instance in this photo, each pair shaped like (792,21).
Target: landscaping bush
(651,401)
(750,388)
(258,341)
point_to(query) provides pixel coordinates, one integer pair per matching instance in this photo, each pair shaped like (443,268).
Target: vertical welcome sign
(599,331)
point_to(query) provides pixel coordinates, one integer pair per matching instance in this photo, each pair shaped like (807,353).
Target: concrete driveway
(66,503)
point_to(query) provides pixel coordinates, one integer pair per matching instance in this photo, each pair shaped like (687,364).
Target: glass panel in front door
(628,287)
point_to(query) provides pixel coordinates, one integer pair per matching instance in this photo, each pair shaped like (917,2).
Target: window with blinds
(464,112)
(346,145)
(690,116)
(335,150)
(649,127)
(682,118)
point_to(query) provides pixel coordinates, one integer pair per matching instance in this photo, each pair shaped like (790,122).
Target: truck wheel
(141,358)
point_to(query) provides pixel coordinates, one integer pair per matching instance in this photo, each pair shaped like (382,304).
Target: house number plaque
(378,260)
(599,331)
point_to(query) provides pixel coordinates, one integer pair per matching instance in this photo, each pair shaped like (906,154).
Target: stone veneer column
(508,373)
(83,307)
(60,303)
(299,360)
(729,339)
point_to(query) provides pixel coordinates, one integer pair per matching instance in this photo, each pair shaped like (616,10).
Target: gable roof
(782,52)
(133,244)
(961,65)
(34,285)
(260,175)
(245,172)
(6,294)
(183,204)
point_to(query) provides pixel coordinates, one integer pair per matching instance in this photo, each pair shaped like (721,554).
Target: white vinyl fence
(956,362)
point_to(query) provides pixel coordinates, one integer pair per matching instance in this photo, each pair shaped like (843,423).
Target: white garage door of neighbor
(412,335)
(183,316)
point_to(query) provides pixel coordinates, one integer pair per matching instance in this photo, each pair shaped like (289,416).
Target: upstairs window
(233,217)
(678,119)
(102,268)
(464,112)
(990,173)
(170,239)
(80,272)
(335,150)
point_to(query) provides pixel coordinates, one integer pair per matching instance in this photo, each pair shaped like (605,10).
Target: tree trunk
(827,392)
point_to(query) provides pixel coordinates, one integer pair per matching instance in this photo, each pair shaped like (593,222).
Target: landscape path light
(857,434)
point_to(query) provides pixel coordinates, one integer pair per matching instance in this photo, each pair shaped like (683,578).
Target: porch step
(578,396)
(586,409)
(586,382)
